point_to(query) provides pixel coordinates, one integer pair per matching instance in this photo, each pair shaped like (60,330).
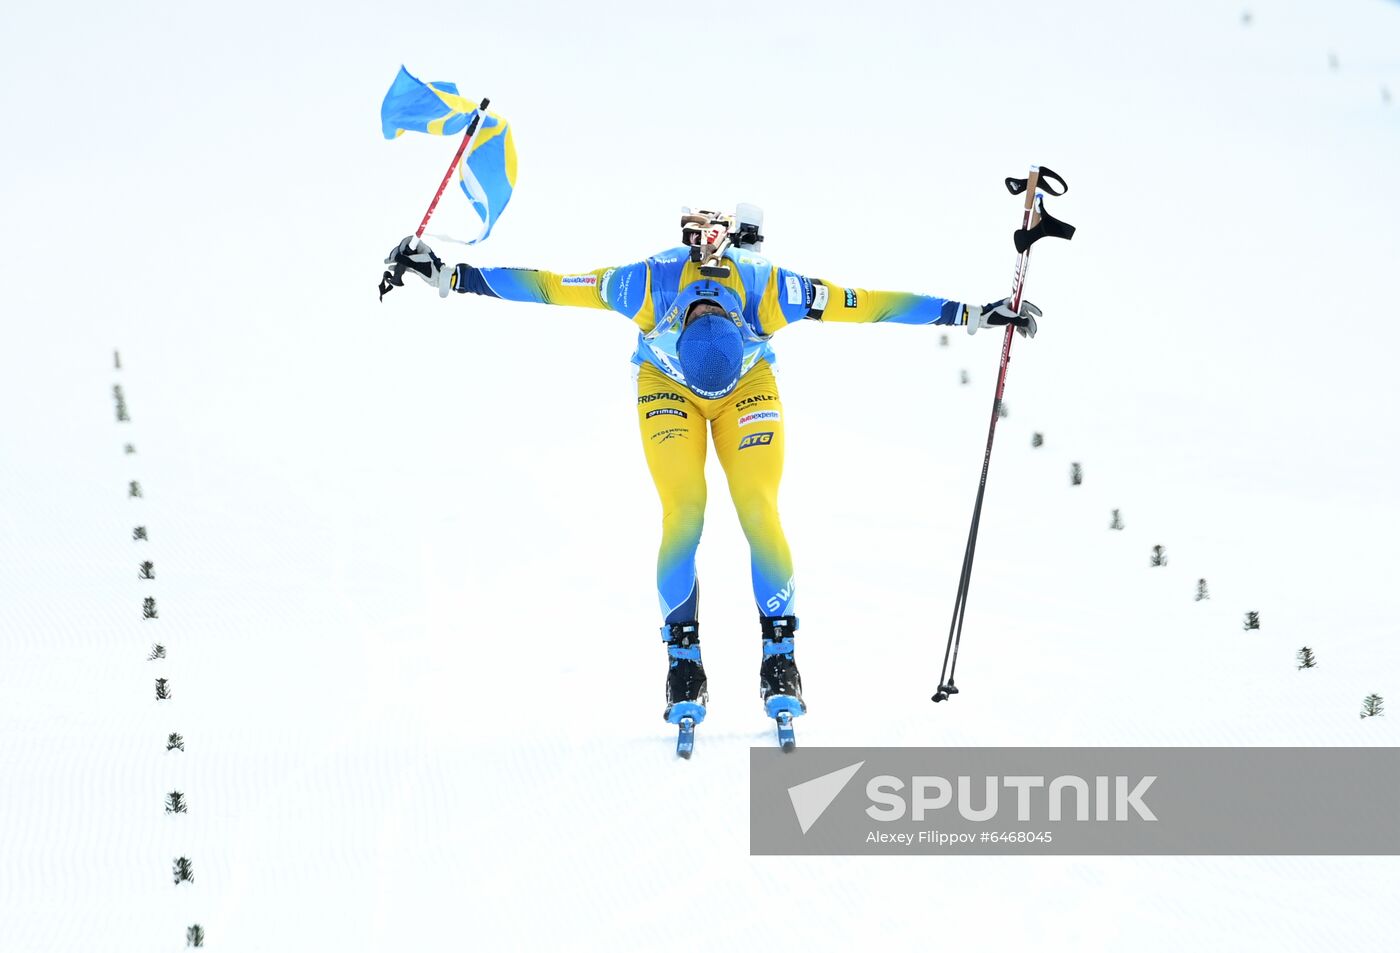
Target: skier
(705,312)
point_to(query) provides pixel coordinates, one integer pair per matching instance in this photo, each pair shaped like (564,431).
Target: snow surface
(404,552)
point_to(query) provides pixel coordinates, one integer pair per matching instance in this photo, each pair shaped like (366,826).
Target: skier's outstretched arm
(607,288)
(791,297)
(624,289)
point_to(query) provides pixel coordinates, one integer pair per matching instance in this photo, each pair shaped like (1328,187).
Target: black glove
(413,256)
(999,313)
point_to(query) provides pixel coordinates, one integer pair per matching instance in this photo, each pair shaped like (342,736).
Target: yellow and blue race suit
(746,423)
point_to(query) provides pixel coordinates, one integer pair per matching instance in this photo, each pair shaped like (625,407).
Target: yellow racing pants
(747,428)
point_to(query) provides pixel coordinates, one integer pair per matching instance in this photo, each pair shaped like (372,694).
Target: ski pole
(1031,230)
(388,282)
(442,186)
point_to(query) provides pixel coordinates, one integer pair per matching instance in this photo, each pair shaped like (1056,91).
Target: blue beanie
(711,351)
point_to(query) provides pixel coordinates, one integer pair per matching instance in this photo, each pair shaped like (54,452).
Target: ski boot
(686,696)
(780,684)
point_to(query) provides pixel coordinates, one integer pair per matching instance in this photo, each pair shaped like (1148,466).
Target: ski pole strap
(391,280)
(1017,186)
(1048,226)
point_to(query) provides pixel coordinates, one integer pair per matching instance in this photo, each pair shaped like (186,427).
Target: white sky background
(369,519)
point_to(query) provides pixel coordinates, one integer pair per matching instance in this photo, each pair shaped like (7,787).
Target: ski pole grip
(1032,183)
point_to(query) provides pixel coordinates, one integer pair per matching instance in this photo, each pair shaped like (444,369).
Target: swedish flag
(412,105)
(487,171)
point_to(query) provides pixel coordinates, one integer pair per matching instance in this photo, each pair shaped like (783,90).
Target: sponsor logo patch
(850,297)
(822,296)
(661,436)
(758,415)
(579,280)
(756,440)
(756,398)
(672,411)
(794,290)
(648,398)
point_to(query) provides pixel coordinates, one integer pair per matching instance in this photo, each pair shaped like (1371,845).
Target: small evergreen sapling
(184,870)
(1117,521)
(148,570)
(1076,474)
(194,936)
(1159,556)
(1372,705)
(148,608)
(175,803)
(1251,621)
(962,377)
(1202,593)
(1306,659)
(139,532)
(134,490)
(157,651)
(1037,439)
(130,448)
(162,689)
(176,742)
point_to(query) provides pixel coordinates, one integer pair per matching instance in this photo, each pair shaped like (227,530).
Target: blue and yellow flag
(487,170)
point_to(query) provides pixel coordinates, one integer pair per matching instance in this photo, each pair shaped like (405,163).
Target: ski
(685,740)
(782,709)
(786,739)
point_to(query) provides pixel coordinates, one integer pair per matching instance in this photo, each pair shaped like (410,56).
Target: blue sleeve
(622,289)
